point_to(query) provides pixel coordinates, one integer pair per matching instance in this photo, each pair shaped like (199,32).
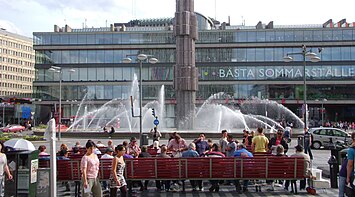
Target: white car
(322,135)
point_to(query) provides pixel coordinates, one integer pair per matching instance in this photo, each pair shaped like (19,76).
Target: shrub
(33,138)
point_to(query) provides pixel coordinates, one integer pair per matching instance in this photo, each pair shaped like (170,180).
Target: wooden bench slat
(270,167)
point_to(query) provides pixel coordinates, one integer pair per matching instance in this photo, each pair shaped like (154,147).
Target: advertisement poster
(43,186)
(23,177)
(34,168)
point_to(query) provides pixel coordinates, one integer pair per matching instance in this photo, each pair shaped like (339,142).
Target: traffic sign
(156,122)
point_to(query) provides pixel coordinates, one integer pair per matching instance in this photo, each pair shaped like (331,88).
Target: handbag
(349,191)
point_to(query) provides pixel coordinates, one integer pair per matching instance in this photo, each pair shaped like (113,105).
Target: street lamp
(313,58)
(322,109)
(59,70)
(141,58)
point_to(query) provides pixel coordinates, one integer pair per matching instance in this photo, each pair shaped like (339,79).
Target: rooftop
(3,32)
(161,24)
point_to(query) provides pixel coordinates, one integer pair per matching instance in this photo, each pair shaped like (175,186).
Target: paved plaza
(225,191)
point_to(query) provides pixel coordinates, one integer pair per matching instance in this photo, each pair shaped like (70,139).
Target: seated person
(76,150)
(42,151)
(63,155)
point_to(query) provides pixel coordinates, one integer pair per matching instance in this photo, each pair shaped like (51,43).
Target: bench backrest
(105,169)
(271,167)
(268,167)
(69,170)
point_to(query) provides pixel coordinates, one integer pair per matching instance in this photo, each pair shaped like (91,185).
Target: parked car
(323,135)
(13,128)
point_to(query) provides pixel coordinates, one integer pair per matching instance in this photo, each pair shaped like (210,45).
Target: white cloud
(9,26)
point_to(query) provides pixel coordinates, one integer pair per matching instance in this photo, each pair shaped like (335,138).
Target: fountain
(212,116)
(258,106)
(117,113)
(162,106)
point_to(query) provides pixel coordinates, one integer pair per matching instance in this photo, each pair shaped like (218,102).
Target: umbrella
(20,144)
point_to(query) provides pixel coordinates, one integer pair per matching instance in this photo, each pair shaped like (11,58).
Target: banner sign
(292,73)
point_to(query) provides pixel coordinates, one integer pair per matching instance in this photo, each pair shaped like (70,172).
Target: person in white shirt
(97,151)
(100,144)
(108,154)
(4,168)
(223,141)
(110,144)
(155,134)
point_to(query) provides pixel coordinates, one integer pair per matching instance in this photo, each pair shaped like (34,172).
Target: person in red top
(278,140)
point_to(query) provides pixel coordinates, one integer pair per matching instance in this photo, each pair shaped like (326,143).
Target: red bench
(257,168)
(152,151)
(69,170)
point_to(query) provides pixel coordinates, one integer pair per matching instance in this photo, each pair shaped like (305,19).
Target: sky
(27,16)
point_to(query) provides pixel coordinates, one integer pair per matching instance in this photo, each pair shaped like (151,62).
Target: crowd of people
(227,146)
(345,125)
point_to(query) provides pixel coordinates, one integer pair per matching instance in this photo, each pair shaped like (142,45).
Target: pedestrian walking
(307,138)
(90,170)
(117,179)
(4,168)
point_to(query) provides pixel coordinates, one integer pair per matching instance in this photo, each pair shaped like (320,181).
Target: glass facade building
(243,62)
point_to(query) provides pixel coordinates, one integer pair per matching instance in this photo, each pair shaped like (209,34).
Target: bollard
(144,139)
(333,171)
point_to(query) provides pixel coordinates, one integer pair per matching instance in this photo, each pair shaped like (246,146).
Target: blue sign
(156,122)
(26,112)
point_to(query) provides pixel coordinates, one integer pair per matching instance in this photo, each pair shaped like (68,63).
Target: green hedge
(7,136)
(41,126)
(33,138)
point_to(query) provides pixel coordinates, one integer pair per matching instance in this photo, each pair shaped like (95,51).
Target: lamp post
(313,58)
(322,109)
(141,58)
(59,70)
(51,136)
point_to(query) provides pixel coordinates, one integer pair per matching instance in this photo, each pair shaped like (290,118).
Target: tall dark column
(185,71)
